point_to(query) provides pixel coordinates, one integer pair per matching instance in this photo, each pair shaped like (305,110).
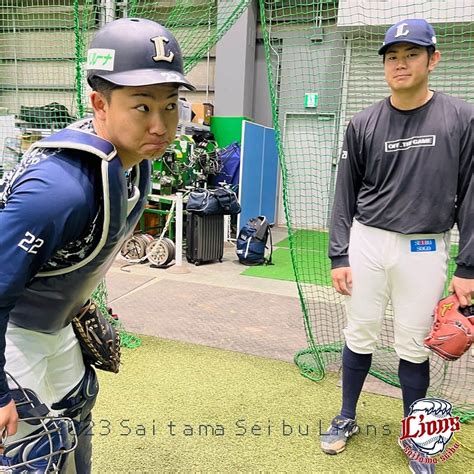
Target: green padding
(313,267)
(307,240)
(227,130)
(167,382)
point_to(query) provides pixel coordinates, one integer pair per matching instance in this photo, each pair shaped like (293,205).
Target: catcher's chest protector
(53,298)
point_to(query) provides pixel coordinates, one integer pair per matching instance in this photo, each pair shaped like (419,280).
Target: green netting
(197,24)
(43,45)
(323,54)
(127,339)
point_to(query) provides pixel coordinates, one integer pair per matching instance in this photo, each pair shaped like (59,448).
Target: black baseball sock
(355,368)
(414,380)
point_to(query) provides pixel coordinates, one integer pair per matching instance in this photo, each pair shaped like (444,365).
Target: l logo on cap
(159,42)
(401,31)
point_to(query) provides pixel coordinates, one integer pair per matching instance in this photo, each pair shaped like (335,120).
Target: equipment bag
(252,242)
(206,202)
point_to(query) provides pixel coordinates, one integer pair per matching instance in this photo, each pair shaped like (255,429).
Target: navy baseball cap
(414,31)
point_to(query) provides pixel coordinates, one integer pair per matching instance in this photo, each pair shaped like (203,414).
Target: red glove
(452,332)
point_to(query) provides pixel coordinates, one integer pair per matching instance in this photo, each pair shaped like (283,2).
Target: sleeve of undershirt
(465,205)
(348,183)
(47,208)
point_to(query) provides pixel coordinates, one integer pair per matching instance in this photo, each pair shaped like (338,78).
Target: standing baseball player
(405,178)
(68,207)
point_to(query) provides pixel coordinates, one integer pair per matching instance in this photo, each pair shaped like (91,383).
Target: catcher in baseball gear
(452,332)
(99,340)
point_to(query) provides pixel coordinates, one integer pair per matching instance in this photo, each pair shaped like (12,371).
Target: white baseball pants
(49,364)
(410,271)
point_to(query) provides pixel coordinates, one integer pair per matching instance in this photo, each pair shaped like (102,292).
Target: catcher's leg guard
(42,441)
(78,404)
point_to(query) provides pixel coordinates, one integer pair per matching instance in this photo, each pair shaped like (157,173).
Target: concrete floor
(216,306)
(211,304)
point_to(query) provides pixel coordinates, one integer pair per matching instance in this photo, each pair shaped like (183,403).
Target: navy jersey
(65,211)
(409,172)
(51,204)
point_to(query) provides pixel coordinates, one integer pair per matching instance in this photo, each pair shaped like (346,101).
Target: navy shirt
(50,203)
(409,172)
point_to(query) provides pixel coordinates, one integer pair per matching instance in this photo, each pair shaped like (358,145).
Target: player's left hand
(464,289)
(8,419)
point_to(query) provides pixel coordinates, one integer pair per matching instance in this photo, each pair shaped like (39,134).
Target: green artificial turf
(259,414)
(308,240)
(313,267)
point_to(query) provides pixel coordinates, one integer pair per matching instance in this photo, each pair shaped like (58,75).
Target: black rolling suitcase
(204,238)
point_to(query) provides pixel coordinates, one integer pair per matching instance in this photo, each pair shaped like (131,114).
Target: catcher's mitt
(452,332)
(99,340)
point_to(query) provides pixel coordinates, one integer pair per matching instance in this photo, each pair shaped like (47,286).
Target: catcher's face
(407,67)
(140,121)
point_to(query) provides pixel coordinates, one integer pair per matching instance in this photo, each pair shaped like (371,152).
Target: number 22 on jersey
(30,243)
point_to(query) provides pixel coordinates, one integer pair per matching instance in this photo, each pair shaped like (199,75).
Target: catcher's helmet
(136,52)
(45,442)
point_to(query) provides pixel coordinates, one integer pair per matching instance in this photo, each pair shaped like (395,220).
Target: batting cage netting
(43,48)
(323,67)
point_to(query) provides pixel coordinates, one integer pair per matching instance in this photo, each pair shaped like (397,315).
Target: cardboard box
(202,113)
(27,139)
(151,222)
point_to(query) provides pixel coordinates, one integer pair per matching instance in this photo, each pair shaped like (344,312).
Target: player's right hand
(9,418)
(342,280)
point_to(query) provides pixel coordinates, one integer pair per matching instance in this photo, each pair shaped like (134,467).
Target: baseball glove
(99,340)
(452,332)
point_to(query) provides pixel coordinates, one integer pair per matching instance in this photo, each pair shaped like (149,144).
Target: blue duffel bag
(206,202)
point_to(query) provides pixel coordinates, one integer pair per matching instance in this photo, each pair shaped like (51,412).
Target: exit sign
(311,100)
